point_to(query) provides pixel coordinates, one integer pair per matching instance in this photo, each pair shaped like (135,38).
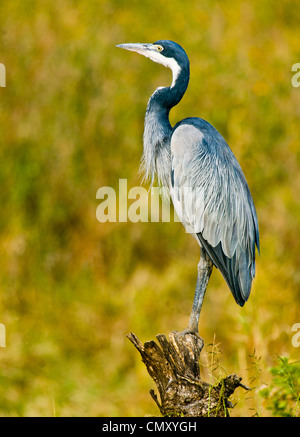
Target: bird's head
(165,52)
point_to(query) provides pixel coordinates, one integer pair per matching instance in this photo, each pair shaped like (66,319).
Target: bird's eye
(160,48)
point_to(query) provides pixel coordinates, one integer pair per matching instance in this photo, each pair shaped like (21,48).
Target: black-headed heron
(207,186)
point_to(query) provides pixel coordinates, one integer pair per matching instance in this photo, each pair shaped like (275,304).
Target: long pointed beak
(142,49)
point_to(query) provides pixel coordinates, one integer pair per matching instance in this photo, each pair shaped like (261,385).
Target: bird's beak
(142,49)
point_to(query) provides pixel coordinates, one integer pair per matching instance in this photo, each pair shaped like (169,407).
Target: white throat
(166,62)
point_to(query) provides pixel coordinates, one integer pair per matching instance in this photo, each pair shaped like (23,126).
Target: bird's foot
(190,339)
(189,331)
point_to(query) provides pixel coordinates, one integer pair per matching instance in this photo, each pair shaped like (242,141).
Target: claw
(189,331)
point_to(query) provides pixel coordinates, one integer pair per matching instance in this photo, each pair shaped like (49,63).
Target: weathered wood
(174,367)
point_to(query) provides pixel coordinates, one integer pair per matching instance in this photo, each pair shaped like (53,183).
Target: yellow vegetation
(71,121)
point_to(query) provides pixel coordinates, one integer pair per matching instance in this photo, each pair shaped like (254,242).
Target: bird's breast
(156,161)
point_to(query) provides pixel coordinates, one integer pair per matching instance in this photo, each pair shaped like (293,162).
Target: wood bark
(174,366)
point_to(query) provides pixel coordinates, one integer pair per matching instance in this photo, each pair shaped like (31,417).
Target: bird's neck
(166,98)
(156,159)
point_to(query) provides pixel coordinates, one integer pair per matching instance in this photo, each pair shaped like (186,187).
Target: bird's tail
(238,273)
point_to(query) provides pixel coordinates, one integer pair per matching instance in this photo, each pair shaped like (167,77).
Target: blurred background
(71,121)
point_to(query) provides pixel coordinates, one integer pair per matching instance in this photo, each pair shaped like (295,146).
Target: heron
(207,186)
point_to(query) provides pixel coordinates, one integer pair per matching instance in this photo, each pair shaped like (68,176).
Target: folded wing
(213,201)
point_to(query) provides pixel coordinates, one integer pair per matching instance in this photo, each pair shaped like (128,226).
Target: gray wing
(213,201)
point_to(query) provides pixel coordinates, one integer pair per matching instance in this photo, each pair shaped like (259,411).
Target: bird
(207,186)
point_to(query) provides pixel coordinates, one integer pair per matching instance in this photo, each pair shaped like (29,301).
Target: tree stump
(174,366)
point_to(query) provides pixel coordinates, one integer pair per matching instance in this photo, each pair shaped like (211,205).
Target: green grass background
(71,121)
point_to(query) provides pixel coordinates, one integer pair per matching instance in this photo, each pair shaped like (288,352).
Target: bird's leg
(205,267)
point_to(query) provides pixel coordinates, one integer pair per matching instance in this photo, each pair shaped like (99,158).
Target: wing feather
(213,201)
